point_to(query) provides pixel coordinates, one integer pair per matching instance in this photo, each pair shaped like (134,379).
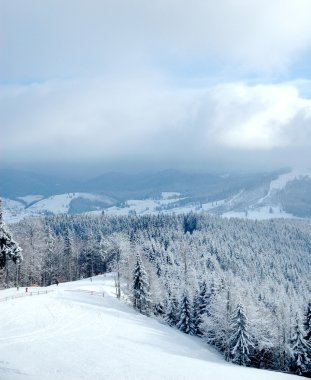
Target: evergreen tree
(171,312)
(185,320)
(104,254)
(200,308)
(68,255)
(9,249)
(49,260)
(190,223)
(240,341)
(87,256)
(307,323)
(141,294)
(301,351)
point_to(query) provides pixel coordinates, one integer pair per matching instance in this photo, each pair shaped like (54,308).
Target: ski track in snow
(77,333)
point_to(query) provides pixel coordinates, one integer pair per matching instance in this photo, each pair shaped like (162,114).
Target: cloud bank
(166,81)
(104,120)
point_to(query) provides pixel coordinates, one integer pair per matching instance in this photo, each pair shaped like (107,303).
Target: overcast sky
(134,84)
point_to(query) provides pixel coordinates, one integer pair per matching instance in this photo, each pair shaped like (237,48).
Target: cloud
(57,39)
(258,117)
(112,79)
(148,117)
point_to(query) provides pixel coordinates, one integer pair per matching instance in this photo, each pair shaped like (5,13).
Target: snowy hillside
(287,195)
(81,331)
(281,182)
(16,210)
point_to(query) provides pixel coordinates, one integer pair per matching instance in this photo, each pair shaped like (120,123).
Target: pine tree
(141,294)
(196,317)
(68,255)
(300,350)
(87,256)
(240,341)
(200,308)
(307,323)
(9,249)
(171,312)
(49,260)
(103,254)
(185,320)
(190,223)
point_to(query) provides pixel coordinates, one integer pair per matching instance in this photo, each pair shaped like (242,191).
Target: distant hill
(17,183)
(256,196)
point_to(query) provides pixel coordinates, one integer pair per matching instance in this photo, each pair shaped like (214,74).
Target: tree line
(242,286)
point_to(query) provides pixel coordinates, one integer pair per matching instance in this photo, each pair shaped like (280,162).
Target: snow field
(77,333)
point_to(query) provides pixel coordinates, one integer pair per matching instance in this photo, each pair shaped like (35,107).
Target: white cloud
(66,39)
(257,117)
(146,117)
(103,77)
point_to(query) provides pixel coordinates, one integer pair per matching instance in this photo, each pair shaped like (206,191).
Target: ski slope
(74,332)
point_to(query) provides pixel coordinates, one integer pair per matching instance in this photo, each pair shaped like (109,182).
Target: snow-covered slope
(77,333)
(287,196)
(37,205)
(283,179)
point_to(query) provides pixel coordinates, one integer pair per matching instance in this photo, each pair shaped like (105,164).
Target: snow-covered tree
(50,260)
(200,305)
(9,249)
(87,256)
(68,255)
(190,223)
(307,323)
(265,264)
(185,319)
(216,324)
(300,349)
(140,288)
(240,341)
(171,310)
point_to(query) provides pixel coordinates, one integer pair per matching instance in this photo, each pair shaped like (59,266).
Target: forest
(242,286)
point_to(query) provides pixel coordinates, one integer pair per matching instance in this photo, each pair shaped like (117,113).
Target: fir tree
(171,313)
(300,350)
(240,342)
(49,262)
(68,255)
(185,320)
(141,294)
(200,308)
(190,223)
(87,256)
(9,249)
(307,323)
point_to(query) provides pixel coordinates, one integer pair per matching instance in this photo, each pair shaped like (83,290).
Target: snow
(260,213)
(31,198)
(59,204)
(37,205)
(144,206)
(170,194)
(282,180)
(77,333)
(211,205)
(13,211)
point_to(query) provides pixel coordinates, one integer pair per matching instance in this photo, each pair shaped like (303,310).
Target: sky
(135,84)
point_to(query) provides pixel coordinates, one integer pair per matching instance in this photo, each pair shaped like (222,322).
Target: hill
(76,333)
(254,196)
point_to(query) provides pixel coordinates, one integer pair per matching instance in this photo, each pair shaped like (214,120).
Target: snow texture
(77,333)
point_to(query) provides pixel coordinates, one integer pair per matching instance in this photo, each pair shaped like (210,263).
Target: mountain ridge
(254,195)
